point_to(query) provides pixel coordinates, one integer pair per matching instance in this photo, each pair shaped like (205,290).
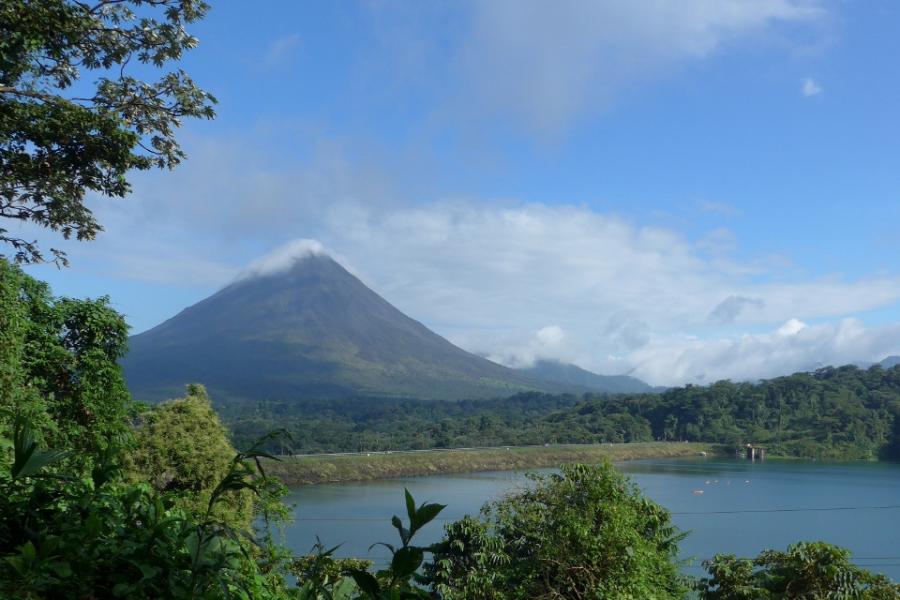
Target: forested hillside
(842,413)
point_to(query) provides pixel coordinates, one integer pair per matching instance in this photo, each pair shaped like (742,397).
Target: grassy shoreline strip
(309,470)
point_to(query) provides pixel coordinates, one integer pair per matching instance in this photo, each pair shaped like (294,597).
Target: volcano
(312,330)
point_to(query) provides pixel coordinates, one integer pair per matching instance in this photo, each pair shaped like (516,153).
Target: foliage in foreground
(587,529)
(585,533)
(64,536)
(58,368)
(805,570)
(181,447)
(71,524)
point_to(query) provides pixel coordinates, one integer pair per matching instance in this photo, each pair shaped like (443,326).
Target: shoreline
(339,468)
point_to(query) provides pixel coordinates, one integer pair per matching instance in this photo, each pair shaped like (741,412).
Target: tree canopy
(837,413)
(58,366)
(588,532)
(181,447)
(71,524)
(63,136)
(805,570)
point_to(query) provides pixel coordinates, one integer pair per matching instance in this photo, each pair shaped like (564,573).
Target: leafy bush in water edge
(806,570)
(587,532)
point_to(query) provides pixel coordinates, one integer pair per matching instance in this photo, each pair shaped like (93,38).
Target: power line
(679,513)
(786,510)
(877,557)
(862,561)
(693,559)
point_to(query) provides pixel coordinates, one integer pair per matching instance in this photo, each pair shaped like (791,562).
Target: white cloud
(790,348)
(546,63)
(547,342)
(551,335)
(283,257)
(488,275)
(511,280)
(791,327)
(541,66)
(811,88)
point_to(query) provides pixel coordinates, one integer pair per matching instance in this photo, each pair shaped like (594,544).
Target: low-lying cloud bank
(678,359)
(519,283)
(792,347)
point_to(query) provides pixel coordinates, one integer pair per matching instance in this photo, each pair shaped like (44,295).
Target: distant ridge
(577,379)
(310,331)
(890,362)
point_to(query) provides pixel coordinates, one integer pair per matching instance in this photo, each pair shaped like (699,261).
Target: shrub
(587,532)
(806,570)
(181,447)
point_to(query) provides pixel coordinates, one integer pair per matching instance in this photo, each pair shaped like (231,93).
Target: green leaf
(148,571)
(410,505)
(406,561)
(404,533)
(343,589)
(28,458)
(28,551)
(192,544)
(92,525)
(386,545)
(307,592)
(62,568)
(425,514)
(366,582)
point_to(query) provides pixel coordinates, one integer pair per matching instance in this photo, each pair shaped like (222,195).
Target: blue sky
(681,190)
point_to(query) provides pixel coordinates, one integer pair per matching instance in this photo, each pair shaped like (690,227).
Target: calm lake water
(358,514)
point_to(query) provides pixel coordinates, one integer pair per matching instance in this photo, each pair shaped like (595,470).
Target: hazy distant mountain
(890,362)
(311,331)
(887,363)
(576,378)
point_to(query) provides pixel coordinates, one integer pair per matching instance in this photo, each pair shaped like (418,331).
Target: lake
(744,508)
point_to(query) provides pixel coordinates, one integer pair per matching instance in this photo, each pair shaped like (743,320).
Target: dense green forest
(838,413)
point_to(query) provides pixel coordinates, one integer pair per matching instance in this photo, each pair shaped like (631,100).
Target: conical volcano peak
(287,257)
(298,325)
